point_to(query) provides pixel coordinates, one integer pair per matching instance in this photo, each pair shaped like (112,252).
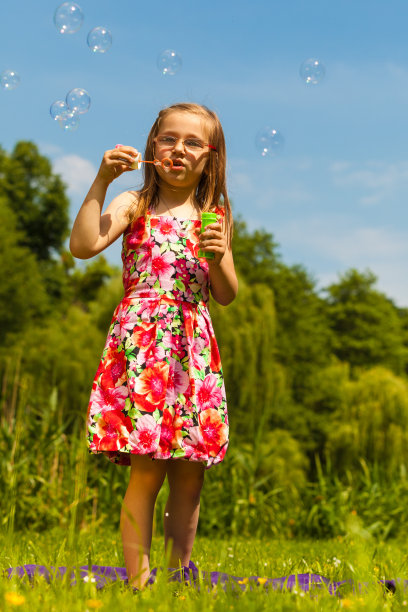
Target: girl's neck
(176,196)
(181,203)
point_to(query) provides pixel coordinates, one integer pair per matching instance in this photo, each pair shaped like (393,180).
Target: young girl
(158,399)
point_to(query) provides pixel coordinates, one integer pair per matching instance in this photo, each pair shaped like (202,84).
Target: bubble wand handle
(166,163)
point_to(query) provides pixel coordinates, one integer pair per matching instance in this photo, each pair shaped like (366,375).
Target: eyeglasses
(194,145)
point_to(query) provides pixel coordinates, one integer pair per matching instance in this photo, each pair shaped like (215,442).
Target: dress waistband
(164,298)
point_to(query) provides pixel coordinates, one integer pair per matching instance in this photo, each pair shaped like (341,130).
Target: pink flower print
(128,321)
(107,399)
(208,394)
(177,344)
(166,230)
(198,359)
(144,256)
(147,309)
(194,445)
(182,272)
(155,354)
(145,438)
(177,382)
(161,263)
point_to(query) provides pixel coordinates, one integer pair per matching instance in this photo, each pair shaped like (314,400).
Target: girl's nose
(179,145)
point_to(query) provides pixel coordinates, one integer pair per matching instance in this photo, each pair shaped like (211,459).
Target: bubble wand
(166,163)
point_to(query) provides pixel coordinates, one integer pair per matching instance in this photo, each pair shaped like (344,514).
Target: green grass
(342,559)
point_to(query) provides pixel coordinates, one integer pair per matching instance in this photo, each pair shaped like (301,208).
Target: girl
(158,399)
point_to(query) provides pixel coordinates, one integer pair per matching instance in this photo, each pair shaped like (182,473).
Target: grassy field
(362,561)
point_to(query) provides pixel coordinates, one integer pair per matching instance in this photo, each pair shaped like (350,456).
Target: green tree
(371,422)
(37,197)
(245,333)
(23,297)
(303,335)
(367,327)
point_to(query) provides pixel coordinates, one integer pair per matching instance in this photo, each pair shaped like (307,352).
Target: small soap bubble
(68,18)
(69,121)
(269,142)
(9,79)
(169,62)
(78,100)
(312,71)
(99,39)
(58,108)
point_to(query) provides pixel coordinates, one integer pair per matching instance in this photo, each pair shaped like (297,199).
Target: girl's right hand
(117,161)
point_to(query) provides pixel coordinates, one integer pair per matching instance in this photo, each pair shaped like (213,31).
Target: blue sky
(335,198)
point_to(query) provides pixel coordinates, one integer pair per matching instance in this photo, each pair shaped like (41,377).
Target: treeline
(316,382)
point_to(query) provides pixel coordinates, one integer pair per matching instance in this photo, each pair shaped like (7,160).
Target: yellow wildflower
(94,603)
(346,603)
(262,581)
(243,581)
(14,599)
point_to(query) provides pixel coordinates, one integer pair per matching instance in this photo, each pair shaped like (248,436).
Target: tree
(23,297)
(371,423)
(303,335)
(368,329)
(245,333)
(37,198)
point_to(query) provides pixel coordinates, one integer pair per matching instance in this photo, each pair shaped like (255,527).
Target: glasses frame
(205,144)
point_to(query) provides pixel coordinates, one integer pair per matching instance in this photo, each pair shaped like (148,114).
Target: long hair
(211,190)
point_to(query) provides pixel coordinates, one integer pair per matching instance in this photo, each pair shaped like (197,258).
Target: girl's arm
(92,232)
(223,279)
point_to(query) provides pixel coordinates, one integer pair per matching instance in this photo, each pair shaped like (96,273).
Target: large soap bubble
(99,39)
(69,121)
(9,79)
(269,142)
(58,109)
(78,100)
(312,71)
(169,62)
(68,18)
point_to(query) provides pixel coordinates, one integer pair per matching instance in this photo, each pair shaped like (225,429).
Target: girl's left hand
(213,240)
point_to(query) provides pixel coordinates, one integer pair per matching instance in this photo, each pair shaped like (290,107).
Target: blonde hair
(211,190)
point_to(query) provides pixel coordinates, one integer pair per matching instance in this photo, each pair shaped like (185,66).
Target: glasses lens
(193,144)
(168,142)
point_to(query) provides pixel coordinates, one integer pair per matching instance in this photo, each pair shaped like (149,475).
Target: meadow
(359,561)
(315,479)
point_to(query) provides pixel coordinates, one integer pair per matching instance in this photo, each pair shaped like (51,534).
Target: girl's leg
(146,478)
(182,509)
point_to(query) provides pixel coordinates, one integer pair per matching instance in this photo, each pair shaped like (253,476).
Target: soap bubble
(78,100)
(68,18)
(58,108)
(9,79)
(69,121)
(169,62)
(99,39)
(269,142)
(312,71)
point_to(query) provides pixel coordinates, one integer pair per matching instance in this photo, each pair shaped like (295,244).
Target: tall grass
(50,480)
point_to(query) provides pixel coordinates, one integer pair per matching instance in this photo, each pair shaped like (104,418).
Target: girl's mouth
(177,164)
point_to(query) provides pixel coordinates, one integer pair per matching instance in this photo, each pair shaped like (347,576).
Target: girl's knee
(147,474)
(188,485)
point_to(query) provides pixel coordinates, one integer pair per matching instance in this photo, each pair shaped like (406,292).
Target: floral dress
(159,389)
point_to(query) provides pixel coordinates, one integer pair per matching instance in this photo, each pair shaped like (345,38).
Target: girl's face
(183,137)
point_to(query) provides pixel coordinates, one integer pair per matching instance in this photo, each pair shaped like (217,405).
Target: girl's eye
(167,139)
(193,144)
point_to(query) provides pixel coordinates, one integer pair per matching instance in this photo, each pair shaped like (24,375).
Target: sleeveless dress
(159,388)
